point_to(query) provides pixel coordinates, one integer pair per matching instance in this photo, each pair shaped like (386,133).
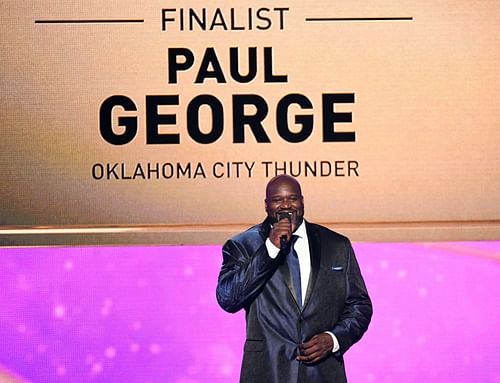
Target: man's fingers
(314,350)
(283,226)
(278,230)
(310,343)
(309,350)
(312,358)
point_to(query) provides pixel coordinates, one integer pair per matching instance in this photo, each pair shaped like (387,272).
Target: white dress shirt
(301,247)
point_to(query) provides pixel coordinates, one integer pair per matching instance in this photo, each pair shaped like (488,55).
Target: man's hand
(316,349)
(280,228)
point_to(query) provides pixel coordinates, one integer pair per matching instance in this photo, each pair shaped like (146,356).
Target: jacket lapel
(285,274)
(315,252)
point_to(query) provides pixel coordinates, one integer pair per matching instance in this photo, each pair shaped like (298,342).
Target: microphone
(283,241)
(284,215)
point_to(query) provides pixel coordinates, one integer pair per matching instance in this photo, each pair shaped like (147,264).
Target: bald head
(281,179)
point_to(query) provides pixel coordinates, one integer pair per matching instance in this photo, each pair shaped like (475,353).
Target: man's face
(284,195)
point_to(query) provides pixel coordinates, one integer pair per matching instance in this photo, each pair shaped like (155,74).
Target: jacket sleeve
(357,311)
(244,273)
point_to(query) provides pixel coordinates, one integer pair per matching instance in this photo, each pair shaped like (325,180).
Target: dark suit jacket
(336,300)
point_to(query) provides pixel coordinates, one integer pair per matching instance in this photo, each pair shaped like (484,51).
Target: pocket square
(337,268)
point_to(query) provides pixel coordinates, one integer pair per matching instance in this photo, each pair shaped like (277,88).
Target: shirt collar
(301,230)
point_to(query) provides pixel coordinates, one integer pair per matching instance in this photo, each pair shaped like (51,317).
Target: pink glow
(148,314)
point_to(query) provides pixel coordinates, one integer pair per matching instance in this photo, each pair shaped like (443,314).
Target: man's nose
(285,204)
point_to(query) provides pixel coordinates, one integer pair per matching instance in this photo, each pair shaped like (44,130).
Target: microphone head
(284,214)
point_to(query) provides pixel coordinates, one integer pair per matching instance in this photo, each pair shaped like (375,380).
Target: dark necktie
(292,260)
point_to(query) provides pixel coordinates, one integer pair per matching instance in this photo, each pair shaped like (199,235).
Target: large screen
(154,123)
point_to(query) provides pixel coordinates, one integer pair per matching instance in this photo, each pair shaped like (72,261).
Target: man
(300,285)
